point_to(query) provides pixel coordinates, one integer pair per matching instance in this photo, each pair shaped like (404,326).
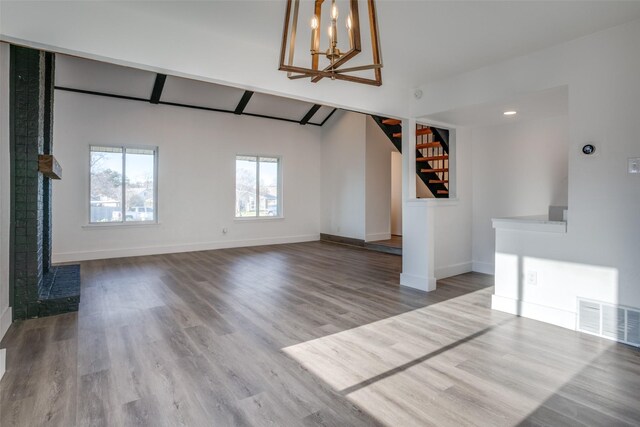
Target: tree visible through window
(257,186)
(123,184)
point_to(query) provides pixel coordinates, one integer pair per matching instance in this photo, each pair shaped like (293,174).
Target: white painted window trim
(123,223)
(280,215)
(131,224)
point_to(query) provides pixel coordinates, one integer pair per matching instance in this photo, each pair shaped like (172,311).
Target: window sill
(98,226)
(258,218)
(433,202)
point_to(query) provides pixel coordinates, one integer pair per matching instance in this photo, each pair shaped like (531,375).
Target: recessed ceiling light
(510,113)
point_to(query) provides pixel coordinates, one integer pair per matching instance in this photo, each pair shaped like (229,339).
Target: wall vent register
(610,321)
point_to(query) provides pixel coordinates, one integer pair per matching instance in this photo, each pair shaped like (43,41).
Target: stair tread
(430,158)
(434,170)
(438,181)
(428,145)
(425,131)
(391,122)
(443,191)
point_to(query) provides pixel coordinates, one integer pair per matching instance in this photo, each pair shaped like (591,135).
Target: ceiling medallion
(325,56)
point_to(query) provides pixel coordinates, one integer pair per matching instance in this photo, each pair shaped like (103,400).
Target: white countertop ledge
(540,223)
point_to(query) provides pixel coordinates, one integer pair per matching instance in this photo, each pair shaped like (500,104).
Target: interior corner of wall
(5,321)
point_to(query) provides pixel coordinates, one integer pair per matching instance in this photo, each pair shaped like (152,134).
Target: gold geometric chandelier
(324,57)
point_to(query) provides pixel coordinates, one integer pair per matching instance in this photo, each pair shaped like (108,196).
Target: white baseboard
(426,284)
(483,267)
(377,236)
(565,319)
(453,270)
(157,250)
(3,362)
(5,322)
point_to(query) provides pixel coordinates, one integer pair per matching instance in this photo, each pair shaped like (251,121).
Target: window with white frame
(258,187)
(123,184)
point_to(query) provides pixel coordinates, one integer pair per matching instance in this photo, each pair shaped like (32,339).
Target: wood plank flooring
(303,335)
(395,242)
(390,246)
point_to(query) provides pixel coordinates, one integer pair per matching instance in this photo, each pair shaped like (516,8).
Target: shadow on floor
(603,393)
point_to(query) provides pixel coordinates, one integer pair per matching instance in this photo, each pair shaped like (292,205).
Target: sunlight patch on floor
(447,363)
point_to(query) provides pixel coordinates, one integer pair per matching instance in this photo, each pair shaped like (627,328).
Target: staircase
(432,153)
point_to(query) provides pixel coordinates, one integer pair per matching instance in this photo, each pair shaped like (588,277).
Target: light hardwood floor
(303,334)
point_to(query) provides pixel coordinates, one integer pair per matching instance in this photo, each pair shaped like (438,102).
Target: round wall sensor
(589,149)
(417,94)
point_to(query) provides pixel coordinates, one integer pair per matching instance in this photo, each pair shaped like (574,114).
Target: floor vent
(610,321)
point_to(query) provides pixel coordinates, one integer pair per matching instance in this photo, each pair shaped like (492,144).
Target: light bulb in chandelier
(315,23)
(334,11)
(333,53)
(350,31)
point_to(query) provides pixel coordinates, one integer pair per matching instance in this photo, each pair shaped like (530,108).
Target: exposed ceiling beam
(243,102)
(310,114)
(92,92)
(175,104)
(327,118)
(158,86)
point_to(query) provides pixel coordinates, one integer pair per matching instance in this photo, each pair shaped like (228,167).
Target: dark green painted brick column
(47,148)
(31,92)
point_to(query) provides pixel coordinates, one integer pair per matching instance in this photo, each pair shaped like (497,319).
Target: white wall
(558,281)
(357,196)
(343,175)
(452,218)
(357,179)
(396,193)
(436,232)
(518,169)
(601,71)
(378,182)
(5,310)
(196,177)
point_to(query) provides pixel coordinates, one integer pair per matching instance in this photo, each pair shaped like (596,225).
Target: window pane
(106,184)
(246,186)
(139,184)
(269,205)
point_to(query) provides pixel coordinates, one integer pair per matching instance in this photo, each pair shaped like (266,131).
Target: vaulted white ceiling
(237,42)
(95,78)
(421,40)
